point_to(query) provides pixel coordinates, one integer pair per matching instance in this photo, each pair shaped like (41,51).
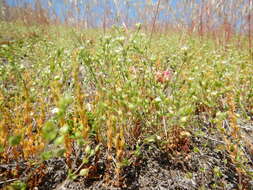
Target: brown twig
(154,21)
(8,181)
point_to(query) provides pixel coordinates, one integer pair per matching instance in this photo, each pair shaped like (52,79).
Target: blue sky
(61,8)
(96,14)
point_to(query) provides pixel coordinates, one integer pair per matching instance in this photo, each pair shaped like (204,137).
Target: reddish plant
(163,76)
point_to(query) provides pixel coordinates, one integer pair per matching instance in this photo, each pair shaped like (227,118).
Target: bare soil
(205,166)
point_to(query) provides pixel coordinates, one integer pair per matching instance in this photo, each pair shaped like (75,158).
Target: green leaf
(196,150)
(81,142)
(131,106)
(84,172)
(186,110)
(92,152)
(65,101)
(88,149)
(64,130)
(71,176)
(49,131)
(18,185)
(1,148)
(59,140)
(137,152)
(60,152)
(217,171)
(47,155)
(85,160)
(150,139)
(14,140)
(183,119)
(97,148)
(125,162)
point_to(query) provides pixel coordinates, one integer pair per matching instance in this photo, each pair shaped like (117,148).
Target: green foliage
(14,140)
(84,172)
(55,90)
(49,131)
(18,185)
(47,155)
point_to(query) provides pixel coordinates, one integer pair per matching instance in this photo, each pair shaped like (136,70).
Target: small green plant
(18,185)
(118,94)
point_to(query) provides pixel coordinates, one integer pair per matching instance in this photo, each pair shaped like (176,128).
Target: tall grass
(219,19)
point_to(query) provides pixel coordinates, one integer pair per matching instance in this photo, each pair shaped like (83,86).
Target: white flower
(158,99)
(89,107)
(184,48)
(55,110)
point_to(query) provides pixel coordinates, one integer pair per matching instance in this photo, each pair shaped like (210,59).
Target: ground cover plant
(102,106)
(124,107)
